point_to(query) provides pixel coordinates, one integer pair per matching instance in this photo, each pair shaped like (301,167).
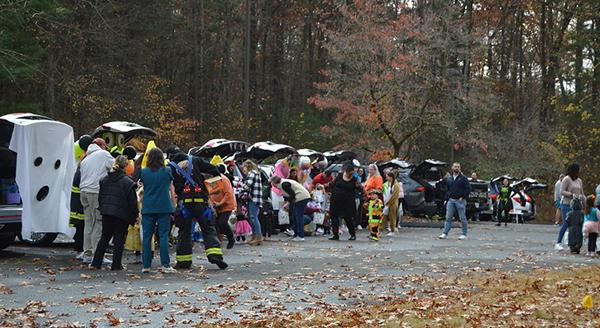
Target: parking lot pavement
(51,287)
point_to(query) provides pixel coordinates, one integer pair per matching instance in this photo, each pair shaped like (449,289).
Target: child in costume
(375,213)
(242,229)
(591,224)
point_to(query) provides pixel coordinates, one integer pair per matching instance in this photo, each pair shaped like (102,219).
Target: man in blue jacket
(459,189)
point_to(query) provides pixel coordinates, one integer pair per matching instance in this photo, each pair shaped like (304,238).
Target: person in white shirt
(94,167)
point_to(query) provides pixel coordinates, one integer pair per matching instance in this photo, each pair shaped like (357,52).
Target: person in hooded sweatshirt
(94,167)
(119,207)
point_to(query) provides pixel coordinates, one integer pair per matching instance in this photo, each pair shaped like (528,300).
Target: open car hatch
(221,147)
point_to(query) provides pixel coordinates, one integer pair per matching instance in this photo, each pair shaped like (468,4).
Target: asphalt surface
(49,287)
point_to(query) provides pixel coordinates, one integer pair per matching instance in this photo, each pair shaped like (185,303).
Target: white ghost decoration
(45,169)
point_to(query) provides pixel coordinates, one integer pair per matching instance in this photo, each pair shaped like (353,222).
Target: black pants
(115,228)
(503,209)
(212,245)
(592,237)
(349,223)
(79,226)
(223,227)
(266,223)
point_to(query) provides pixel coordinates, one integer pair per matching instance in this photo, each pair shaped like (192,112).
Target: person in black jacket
(119,208)
(459,189)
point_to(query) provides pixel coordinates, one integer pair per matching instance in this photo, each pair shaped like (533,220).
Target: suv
(423,192)
(10,201)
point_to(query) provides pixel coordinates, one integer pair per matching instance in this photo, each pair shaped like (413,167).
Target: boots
(256,240)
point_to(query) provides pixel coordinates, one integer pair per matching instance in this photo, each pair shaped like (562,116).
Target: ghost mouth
(42,193)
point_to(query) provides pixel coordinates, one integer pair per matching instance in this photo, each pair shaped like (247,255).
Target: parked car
(422,185)
(478,201)
(523,206)
(11,205)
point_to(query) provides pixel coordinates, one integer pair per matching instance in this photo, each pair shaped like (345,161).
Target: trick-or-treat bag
(134,240)
(283,217)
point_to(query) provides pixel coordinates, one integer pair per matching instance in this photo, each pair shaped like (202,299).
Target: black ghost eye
(57,164)
(42,193)
(38,161)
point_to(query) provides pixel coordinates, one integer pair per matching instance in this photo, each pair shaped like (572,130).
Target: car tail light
(420,189)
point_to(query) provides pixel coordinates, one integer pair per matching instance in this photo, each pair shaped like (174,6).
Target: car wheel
(6,241)
(39,239)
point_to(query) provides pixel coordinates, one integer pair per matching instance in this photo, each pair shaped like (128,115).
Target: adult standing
(94,167)
(374,180)
(298,197)
(459,189)
(571,186)
(77,216)
(557,197)
(253,184)
(223,200)
(158,203)
(343,193)
(282,170)
(119,207)
(391,202)
(189,184)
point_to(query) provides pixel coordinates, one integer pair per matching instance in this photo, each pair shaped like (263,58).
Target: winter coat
(118,197)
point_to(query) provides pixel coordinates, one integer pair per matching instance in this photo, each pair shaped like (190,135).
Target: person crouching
(118,205)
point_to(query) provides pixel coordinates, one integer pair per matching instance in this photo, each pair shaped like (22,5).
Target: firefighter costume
(375,214)
(76,216)
(193,205)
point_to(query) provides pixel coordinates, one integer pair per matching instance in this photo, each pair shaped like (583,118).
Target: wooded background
(504,86)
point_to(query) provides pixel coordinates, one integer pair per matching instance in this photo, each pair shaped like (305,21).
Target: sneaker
(390,234)
(94,267)
(80,256)
(334,238)
(106,261)
(289,232)
(230,243)
(168,270)
(87,259)
(359,227)
(558,247)
(297,239)
(443,236)
(352,238)
(146,270)
(462,237)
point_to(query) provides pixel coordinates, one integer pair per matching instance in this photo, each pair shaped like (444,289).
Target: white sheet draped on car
(45,169)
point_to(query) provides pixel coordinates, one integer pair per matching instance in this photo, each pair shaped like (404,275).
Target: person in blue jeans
(295,193)
(253,184)
(571,186)
(157,208)
(459,189)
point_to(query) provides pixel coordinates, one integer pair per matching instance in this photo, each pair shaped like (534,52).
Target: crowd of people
(137,203)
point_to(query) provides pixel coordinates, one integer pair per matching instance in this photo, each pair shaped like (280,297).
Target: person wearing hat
(223,201)
(94,167)
(375,213)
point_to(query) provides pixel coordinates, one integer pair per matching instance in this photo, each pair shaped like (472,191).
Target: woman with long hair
(158,204)
(391,203)
(118,205)
(253,184)
(571,186)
